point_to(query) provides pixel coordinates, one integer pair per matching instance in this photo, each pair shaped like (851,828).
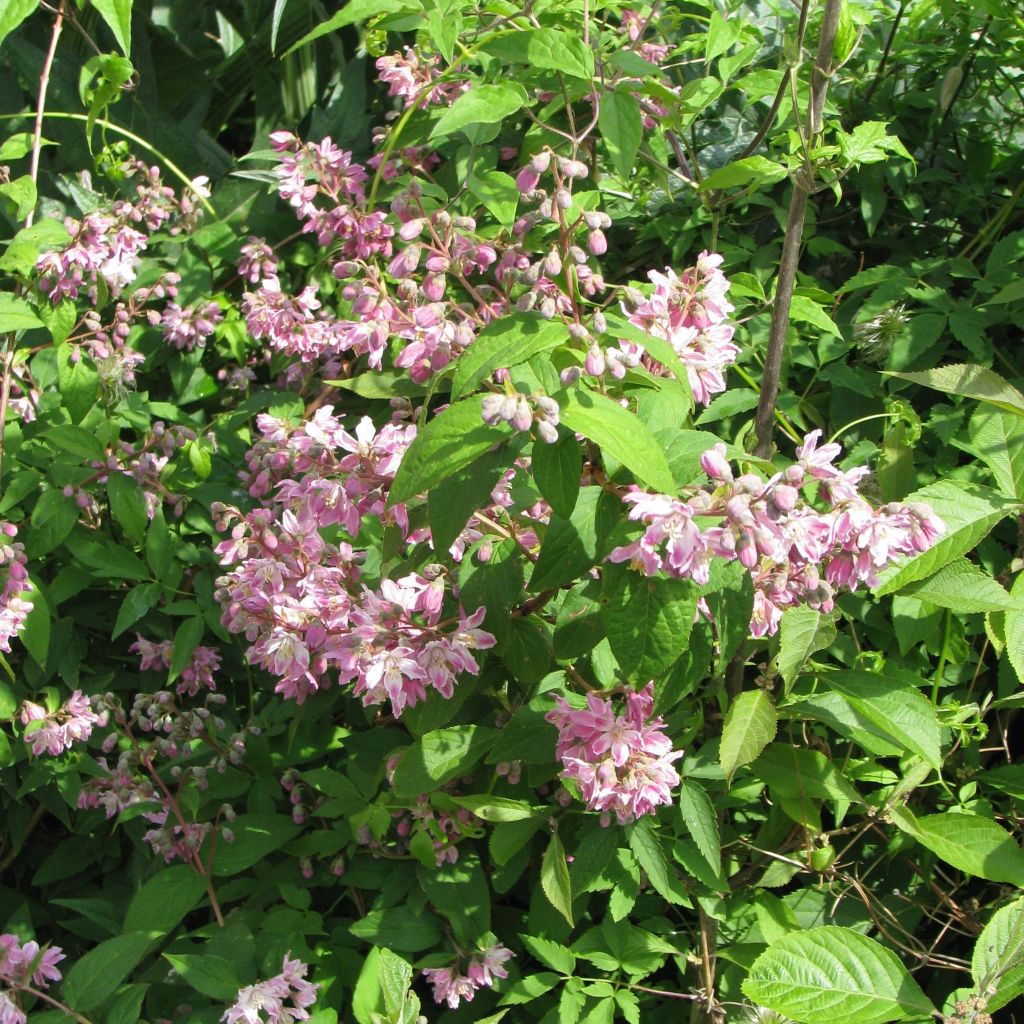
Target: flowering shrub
(403,599)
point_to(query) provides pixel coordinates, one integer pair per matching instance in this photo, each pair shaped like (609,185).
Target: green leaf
(805,310)
(557,469)
(964,587)
(729,403)
(972,844)
(353,11)
(128,505)
(453,501)
(21,193)
(213,976)
(969,381)
(76,441)
(622,129)
(395,979)
(998,959)
(647,620)
(497,191)
(439,756)
(186,640)
(256,836)
(620,434)
(657,348)
(497,808)
(79,382)
(552,49)
(969,513)
(483,104)
(527,989)
(105,557)
(125,1007)
(554,878)
(802,632)
(797,774)
(646,847)
(96,975)
(750,726)
(504,343)
(551,954)
(399,928)
(159,549)
(16,314)
(118,16)
(869,143)
(162,902)
(701,821)
(35,633)
(1014,629)
(751,170)
(894,707)
(572,546)
(831,975)
(53,519)
(998,439)
(450,441)
(13,13)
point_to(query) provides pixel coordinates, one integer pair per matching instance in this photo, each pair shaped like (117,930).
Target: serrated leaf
(213,976)
(998,960)
(750,170)
(16,314)
(395,974)
(963,587)
(128,505)
(96,975)
(701,822)
(551,954)
(969,381)
(832,975)
(439,756)
(647,620)
(794,773)
(162,902)
(451,440)
(750,726)
(802,632)
(483,104)
(554,878)
(557,469)
(256,836)
(353,11)
(806,310)
(552,49)
(969,513)
(497,808)
(998,439)
(620,434)
(646,847)
(621,125)
(497,191)
(972,844)
(506,342)
(1014,629)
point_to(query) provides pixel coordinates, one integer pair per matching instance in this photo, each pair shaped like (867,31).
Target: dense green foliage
(843,843)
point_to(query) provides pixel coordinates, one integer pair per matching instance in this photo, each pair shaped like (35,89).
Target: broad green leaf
(729,403)
(869,143)
(622,129)
(96,975)
(998,959)
(552,49)
(554,878)
(482,104)
(506,342)
(964,587)
(136,603)
(697,95)
(395,980)
(13,13)
(106,558)
(573,545)
(399,928)
(1014,629)
(21,196)
(35,632)
(646,847)
(439,756)
(750,726)
(186,640)
(551,954)
(16,314)
(451,440)
(751,170)
(118,16)
(657,348)
(79,382)
(969,381)
(723,33)
(806,310)
(647,620)
(53,519)
(527,989)
(76,441)
(162,902)
(497,191)
(1011,293)
(620,434)
(797,774)
(701,821)
(832,975)
(128,505)
(802,632)
(460,894)
(972,844)
(894,707)
(353,11)
(213,976)
(256,836)
(497,808)
(998,438)
(557,469)
(969,513)
(125,1007)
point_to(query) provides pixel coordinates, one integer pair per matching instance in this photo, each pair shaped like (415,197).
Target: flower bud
(541,162)
(527,179)
(523,416)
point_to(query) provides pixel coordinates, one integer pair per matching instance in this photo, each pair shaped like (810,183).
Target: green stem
(864,419)
(132,137)
(943,658)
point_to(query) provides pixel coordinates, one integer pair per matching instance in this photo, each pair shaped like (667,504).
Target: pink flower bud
(595,361)
(527,179)
(411,229)
(597,243)
(715,464)
(523,416)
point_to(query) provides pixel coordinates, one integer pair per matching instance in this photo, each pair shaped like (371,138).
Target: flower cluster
(621,763)
(283,999)
(23,964)
(197,673)
(690,312)
(54,732)
(771,529)
(14,585)
(522,412)
(412,76)
(451,986)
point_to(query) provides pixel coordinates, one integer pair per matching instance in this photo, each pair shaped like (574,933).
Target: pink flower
(283,999)
(483,968)
(54,733)
(14,586)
